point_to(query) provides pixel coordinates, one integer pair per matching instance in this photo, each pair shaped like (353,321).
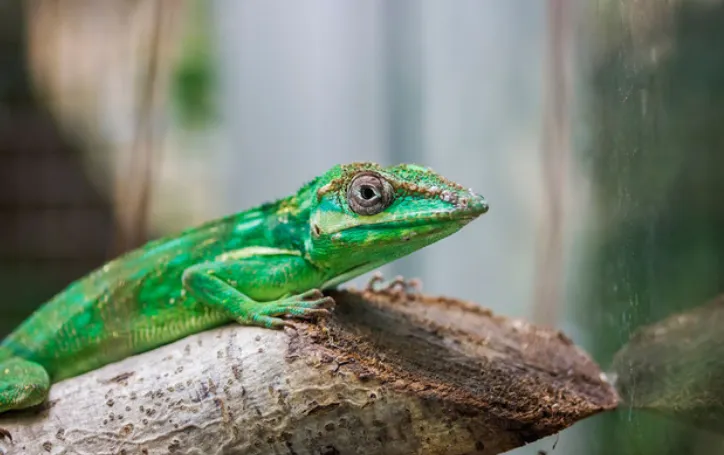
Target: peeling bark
(387,373)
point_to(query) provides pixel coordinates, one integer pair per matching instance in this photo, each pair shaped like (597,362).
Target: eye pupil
(367,192)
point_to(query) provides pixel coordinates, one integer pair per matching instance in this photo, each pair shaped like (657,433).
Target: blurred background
(593,128)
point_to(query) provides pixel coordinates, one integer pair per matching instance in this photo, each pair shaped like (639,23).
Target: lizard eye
(369,194)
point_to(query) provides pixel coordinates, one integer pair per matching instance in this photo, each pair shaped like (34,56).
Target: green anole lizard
(259,267)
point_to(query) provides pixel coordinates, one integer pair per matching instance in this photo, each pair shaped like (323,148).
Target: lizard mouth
(438,220)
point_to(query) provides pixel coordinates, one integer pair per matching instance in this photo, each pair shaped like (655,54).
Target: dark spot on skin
(47,446)
(479,446)
(110,403)
(329,426)
(330,450)
(60,434)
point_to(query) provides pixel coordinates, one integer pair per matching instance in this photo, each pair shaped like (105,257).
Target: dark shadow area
(54,226)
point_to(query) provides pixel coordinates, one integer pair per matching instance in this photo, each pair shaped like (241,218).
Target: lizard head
(364,215)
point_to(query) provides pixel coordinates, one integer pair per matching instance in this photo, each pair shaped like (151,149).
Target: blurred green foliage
(656,156)
(194,77)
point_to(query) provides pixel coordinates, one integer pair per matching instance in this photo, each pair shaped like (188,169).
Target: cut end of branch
(517,379)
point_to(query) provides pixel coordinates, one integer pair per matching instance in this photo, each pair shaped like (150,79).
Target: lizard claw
(5,434)
(398,286)
(376,277)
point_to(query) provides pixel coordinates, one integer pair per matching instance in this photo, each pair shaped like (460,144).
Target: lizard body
(255,267)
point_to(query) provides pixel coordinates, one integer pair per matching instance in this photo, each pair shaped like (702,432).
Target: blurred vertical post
(555,155)
(134,182)
(103,69)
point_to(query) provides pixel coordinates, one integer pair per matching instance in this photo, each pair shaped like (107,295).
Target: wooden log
(387,373)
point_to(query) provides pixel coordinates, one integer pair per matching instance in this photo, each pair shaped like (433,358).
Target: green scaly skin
(258,267)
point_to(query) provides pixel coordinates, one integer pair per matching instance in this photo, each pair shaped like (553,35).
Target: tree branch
(387,373)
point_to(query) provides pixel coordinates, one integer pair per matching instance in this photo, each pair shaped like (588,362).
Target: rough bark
(387,373)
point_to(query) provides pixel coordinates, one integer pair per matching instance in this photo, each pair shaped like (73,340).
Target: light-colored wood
(387,373)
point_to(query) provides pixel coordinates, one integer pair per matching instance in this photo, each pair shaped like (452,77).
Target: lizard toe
(323,303)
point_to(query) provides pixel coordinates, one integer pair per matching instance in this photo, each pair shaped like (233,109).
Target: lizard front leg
(259,290)
(23,384)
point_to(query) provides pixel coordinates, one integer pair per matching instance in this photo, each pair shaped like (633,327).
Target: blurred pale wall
(456,86)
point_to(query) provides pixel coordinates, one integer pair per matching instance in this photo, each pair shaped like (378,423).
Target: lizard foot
(398,286)
(5,434)
(307,305)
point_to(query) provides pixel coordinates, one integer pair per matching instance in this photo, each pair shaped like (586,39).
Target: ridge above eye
(369,194)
